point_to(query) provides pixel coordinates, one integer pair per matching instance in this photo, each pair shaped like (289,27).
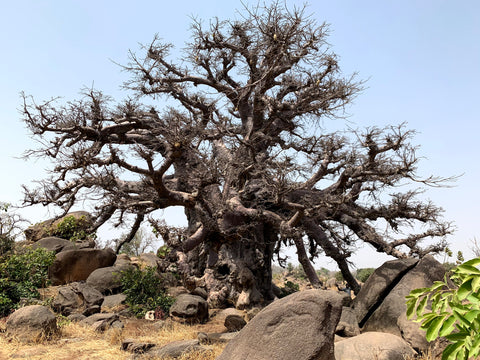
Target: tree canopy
(241,147)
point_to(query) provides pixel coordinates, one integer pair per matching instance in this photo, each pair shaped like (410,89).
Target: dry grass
(78,342)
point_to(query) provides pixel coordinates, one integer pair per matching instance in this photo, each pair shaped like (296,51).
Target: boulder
(32,323)
(146,260)
(299,326)
(190,308)
(122,259)
(47,228)
(348,325)
(101,322)
(215,338)
(107,279)
(373,345)
(136,347)
(199,291)
(379,284)
(390,315)
(57,244)
(76,317)
(76,265)
(175,349)
(234,323)
(77,298)
(113,302)
(51,243)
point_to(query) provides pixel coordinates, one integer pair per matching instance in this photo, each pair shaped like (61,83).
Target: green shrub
(163,251)
(294,287)
(71,228)
(144,291)
(363,274)
(6,304)
(454,311)
(21,275)
(289,287)
(6,245)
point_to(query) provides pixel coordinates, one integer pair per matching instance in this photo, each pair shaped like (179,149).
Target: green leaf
(456,337)
(475,349)
(448,326)
(411,305)
(437,285)
(421,306)
(445,304)
(461,308)
(467,269)
(474,298)
(464,290)
(471,315)
(434,328)
(419,291)
(451,351)
(476,284)
(461,318)
(473,262)
(426,320)
(436,302)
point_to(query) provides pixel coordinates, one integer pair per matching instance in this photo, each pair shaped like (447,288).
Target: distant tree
(475,247)
(323,272)
(142,242)
(364,273)
(241,148)
(10,227)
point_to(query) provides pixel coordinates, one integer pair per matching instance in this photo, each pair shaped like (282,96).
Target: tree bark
(235,272)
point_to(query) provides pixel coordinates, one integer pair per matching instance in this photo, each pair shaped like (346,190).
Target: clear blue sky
(421,59)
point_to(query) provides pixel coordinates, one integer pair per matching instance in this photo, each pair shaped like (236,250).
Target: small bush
(289,287)
(363,274)
(71,228)
(6,245)
(163,251)
(144,291)
(21,275)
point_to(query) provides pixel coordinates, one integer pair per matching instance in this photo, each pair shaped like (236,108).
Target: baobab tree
(241,148)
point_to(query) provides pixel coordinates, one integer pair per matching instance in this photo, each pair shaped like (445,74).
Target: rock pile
(311,324)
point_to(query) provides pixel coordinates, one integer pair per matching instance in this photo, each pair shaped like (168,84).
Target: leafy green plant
(6,245)
(289,287)
(71,228)
(454,311)
(163,251)
(363,274)
(21,275)
(62,320)
(144,291)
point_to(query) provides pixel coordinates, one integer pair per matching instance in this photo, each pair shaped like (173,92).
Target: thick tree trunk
(235,272)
